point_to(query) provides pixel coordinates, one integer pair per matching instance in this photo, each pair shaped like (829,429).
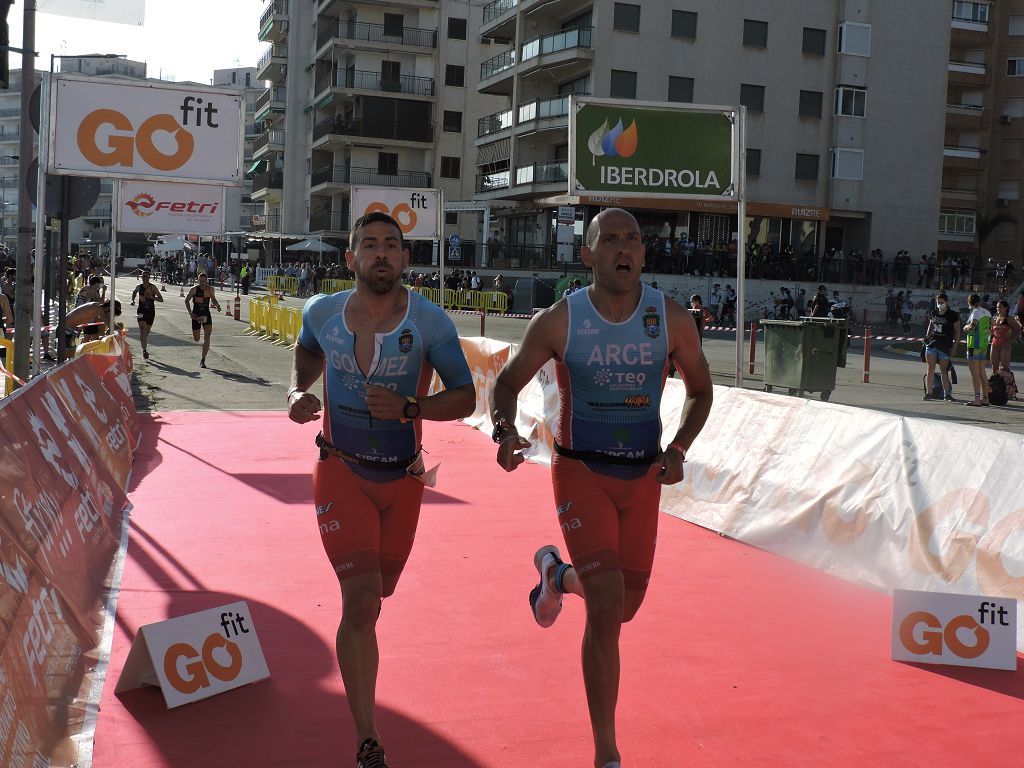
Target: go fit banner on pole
(650,149)
(142,130)
(417,211)
(171,208)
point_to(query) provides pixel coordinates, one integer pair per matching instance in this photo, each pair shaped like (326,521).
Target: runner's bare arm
(188,300)
(307,367)
(446,405)
(689,360)
(135,292)
(213,298)
(544,339)
(156,294)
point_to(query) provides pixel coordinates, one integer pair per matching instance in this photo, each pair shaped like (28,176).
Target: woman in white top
(976,331)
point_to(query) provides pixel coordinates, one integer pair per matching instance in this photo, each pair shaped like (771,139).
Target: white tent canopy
(172,244)
(317,246)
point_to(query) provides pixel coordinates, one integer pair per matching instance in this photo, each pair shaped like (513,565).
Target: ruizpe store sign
(631,149)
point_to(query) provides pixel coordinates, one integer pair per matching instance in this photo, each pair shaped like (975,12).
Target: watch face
(411,410)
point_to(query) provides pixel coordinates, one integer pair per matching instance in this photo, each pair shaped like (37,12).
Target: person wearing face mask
(941,338)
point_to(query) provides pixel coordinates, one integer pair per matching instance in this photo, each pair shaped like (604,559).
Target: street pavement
(247,373)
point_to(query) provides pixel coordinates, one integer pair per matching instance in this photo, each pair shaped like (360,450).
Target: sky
(181,39)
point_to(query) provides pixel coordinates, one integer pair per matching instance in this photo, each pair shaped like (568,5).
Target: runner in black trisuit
(148,295)
(198,302)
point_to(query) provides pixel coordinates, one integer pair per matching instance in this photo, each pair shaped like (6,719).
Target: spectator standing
(907,311)
(716,299)
(941,338)
(820,304)
(977,330)
(1005,330)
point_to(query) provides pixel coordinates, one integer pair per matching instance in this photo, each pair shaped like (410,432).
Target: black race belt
(604,458)
(326,447)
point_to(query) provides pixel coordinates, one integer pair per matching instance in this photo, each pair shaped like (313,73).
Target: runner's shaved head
(594,229)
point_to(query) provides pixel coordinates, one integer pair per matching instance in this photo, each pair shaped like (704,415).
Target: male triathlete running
(377,346)
(612,343)
(198,302)
(148,294)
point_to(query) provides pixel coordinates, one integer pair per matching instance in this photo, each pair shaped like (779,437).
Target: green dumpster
(843,326)
(801,355)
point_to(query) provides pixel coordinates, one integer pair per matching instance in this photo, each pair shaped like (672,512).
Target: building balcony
(492,182)
(8,136)
(967,73)
(273,63)
(545,114)
(271,100)
(549,172)
(971,19)
(496,74)
(966,116)
(272,140)
(492,124)
(99,212)
(955,158)
(968,152)
(357,82)
(339,131)
(328,221)
(341,176)
(558,49)
(267,181)
(336,7)
(499,19)
(274,22)
(958,197)
(377,36)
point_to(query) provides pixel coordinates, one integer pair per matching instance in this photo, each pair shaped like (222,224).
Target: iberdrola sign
(642,149)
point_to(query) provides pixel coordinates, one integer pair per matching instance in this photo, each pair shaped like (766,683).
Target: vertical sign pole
(115,210)
(741,244)
(43,252)
(441,242)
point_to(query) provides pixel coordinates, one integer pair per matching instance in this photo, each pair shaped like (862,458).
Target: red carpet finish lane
(738,658)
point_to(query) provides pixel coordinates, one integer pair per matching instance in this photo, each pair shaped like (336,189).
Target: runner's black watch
(411,409)
(501,427)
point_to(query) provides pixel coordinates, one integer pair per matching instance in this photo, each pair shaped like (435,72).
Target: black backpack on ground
(997,390)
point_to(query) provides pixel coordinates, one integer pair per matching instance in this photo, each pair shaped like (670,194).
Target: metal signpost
(636,149)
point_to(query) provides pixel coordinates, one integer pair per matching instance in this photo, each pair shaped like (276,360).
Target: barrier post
(238,307)
(867,355)
(753,343)
(483,314)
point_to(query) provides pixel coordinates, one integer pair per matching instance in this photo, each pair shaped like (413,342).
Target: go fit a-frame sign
(146,131)
(648,149)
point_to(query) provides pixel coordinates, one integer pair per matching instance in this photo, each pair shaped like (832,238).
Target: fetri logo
(141,203)
(617,142)
(144,204)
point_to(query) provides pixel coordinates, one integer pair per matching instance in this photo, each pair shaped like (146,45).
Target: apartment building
(844,98)
(10,139)
(365,94)
(241,213)
(983,167)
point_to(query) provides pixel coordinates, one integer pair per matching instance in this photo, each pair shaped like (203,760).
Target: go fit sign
(196,656)
(962,630)
(145,131)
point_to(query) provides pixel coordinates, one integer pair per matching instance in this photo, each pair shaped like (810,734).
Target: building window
(1012,149)
(807,167)
(684,24)
(680,89)
(1009,189)
(451,218)
(1015,67)
(456,29)
(394,25)
(451,167)
(855,38)
(851,102)
(847,164)
(814,41)
(752,97)
(755,33)
(753,162)
(1016,25)
(623,84)
(627,17)
(387,163)
(579,86)
(455,75)
(452,122)
(953,222)
(810,104)
(967,11)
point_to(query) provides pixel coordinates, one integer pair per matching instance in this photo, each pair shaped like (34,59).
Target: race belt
(324,445)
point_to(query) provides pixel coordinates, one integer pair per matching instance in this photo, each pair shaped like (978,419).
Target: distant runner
(148,295)
(198,302)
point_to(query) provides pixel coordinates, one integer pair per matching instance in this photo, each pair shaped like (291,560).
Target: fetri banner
(170,208)
(145,130)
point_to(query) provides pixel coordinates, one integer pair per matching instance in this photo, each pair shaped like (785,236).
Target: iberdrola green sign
(641,149)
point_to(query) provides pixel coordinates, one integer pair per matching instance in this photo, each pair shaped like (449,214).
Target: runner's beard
(378,283)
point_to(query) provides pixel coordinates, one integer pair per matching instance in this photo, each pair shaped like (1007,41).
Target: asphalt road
(246,373)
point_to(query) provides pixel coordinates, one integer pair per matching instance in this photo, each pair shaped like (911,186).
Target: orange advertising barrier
(64,463)
(875,498)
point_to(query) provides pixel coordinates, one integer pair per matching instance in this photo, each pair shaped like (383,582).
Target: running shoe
(545,601)
(145,355)
(370,755)
(613,764)
(928,396)
(951,399)
(202,362)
